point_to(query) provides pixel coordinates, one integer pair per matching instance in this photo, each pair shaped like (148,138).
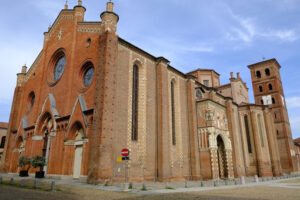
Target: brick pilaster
(193,137)
(103,130)
(163,144)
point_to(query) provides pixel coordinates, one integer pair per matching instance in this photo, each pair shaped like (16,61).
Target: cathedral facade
(90,93)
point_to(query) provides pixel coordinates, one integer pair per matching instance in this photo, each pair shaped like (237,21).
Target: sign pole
(125,157)
(126,171)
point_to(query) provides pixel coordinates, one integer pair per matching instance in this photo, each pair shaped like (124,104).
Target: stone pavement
(172,187)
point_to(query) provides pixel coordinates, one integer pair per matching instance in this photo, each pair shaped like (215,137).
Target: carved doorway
(78,153)
(223,173)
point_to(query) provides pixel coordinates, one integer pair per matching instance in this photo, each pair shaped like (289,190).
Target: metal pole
(126,171)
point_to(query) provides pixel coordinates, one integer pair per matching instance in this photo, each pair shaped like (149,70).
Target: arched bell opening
(223,172)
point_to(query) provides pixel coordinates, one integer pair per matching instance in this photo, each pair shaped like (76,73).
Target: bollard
(202,184)
(22,183)
(215,184)
(106,183)
(236,182)
(144,187)
(0,179)
(35,185)
(256,179)
(242,180)
(126,187)
(11,181)
(53,185)
(185,185)
(167,185)
(226,182)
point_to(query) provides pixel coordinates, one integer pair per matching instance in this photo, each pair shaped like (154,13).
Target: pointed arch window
(258,74)
(273,100)
(260,88)
(173,113)
(135,90)
(248,133)
(270,87)
(198,93)
(2,142)
(267,72)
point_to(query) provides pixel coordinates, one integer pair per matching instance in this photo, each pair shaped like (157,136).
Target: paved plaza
(285,188)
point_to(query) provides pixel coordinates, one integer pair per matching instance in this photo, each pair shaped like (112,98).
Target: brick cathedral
(90,93)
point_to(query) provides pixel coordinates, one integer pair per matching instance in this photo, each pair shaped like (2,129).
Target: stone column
(257,144)
(193,136)
(163,139)
(229,163)
(231,124)
(214,162)
(47,152)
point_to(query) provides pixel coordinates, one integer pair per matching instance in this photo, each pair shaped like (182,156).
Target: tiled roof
(3,125)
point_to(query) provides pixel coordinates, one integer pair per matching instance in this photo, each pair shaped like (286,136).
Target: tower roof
(200,69)
(273,60)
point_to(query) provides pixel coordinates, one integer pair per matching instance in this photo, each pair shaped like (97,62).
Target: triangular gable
(49,106)
(77,114)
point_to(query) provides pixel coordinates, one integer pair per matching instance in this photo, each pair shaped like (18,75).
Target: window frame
(135,95)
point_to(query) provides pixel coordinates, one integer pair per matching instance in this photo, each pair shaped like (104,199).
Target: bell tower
(268,90)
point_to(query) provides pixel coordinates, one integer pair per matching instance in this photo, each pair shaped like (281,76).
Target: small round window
(59,68)
(88,76)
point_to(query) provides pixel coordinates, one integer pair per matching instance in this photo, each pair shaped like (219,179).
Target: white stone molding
(89,30)
(37,137)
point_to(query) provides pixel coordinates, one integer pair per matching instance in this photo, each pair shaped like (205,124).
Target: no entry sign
(125,152)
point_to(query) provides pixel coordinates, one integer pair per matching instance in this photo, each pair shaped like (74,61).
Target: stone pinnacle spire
(66,4)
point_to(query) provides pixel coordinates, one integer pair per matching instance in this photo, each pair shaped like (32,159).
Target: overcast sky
(225,35)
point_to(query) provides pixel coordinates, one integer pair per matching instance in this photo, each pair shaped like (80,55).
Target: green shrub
(38,161)
(23,161)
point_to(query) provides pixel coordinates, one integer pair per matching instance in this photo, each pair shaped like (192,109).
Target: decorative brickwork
(177,127)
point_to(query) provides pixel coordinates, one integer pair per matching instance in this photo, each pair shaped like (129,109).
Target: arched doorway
(45,127)
(223,173)
(78,137)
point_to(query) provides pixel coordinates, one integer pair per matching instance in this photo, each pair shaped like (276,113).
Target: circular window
(56,67)
(88,76)
(59,68)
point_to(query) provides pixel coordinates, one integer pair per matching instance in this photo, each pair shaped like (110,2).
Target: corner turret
(21,76)
(109,18)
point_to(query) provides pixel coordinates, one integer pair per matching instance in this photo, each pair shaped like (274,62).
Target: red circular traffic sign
(125,152)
